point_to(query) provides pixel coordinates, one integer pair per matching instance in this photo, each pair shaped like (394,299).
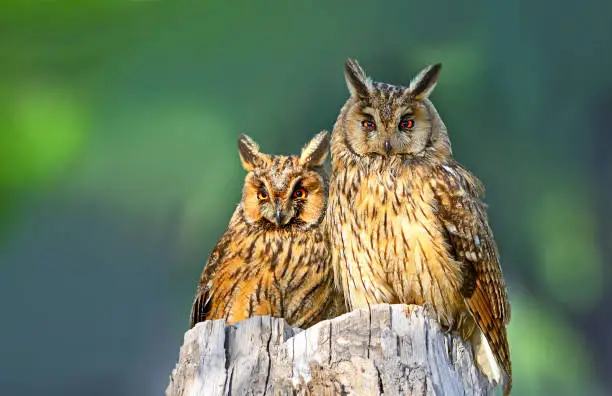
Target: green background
(119,166)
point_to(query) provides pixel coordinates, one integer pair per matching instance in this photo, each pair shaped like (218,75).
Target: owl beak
(278,216)
(387,146)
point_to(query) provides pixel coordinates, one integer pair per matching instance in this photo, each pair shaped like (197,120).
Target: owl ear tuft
(424,83)
(315,152)
(249,153)
(358,83)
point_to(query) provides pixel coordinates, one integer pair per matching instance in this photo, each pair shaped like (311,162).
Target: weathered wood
(390,350)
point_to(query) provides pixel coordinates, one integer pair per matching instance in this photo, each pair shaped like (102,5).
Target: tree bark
(388,349)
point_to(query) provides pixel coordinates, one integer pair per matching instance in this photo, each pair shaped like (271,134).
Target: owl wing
(461,210)
(202,304)
(204,293)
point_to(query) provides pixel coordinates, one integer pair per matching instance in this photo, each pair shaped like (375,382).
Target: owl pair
(398,221)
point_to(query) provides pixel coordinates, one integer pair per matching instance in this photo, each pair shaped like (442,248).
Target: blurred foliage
(566,240)
(545,341)
(119,169)
(44,131)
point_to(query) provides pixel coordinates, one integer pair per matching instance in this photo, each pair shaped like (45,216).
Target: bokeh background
(119,168)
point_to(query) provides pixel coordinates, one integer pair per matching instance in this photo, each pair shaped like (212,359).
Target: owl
(406,221)
(274,257)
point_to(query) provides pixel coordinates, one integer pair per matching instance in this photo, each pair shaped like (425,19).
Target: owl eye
(262,195)
(368,125)
(300,193)
(406,124)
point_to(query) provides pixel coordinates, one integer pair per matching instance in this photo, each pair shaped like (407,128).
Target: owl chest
(282,261)
(393,236)
(279,274)
(396,220)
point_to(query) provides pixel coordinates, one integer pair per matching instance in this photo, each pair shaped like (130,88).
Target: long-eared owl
(274,257)
(406,221)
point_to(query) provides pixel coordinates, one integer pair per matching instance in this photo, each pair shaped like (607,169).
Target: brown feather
(406,222)
(260,267)
(470,237)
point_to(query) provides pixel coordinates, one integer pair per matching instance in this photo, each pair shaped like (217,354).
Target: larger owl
(274,257)
(407,222)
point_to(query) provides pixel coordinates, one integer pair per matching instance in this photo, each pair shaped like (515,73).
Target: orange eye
(262,195)
(300,193)
(406,124)
(368,125)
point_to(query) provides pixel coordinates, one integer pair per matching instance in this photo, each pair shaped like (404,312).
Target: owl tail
(487,363)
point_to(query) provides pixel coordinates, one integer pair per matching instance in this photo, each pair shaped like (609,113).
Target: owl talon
(446,329)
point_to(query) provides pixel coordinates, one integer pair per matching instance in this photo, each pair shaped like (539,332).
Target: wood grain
(390,350)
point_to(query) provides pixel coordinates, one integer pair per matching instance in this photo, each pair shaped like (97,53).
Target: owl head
(284,192)
(389,120)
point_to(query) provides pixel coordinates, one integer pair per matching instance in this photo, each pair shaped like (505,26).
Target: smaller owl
(274,257)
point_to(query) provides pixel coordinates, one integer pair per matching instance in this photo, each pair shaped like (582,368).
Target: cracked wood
(390,350)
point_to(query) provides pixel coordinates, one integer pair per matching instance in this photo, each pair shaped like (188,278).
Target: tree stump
(388,349)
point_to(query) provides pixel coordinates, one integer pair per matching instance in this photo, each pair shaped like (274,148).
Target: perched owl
(406,221)
(274,257)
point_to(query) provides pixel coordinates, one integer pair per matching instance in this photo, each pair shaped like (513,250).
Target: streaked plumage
(406,221)
(274,257)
